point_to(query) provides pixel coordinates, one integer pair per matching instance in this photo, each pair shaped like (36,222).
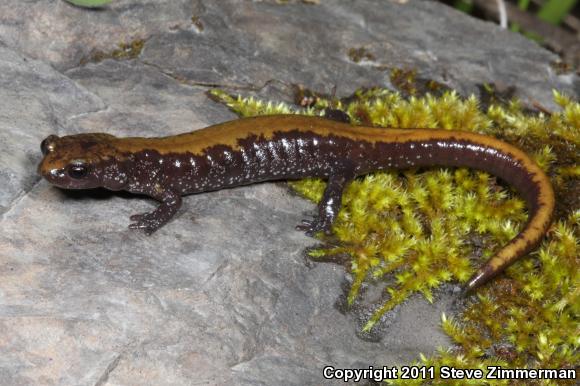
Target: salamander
(250,150)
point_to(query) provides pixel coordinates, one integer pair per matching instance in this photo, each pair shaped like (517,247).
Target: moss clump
(125,51)
(419,229)
(407,81)
(527,320)
(359,54)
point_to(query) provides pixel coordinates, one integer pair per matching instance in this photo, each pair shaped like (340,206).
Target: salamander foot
(311,227)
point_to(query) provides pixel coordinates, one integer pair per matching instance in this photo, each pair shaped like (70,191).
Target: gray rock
(35,100)
(255,43)
(222,294)
(64,35)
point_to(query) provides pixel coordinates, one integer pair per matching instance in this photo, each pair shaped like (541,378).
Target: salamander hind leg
(151,221)
(329,205)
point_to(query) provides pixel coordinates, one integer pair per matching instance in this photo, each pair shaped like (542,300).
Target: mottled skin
(278,147)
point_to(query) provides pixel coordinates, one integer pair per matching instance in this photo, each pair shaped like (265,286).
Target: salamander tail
(541,202)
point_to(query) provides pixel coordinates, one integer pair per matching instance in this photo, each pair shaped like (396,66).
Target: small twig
(503,20)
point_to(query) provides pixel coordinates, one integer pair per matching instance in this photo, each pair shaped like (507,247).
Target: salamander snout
(75,161)
(48,145)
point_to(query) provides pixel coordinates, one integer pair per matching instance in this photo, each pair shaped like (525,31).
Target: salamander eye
(48,144)
(77,170)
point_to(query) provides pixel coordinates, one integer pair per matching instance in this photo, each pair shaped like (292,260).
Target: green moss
(529,318)
(128,50)
(418,229)
(359,54)
(407,81)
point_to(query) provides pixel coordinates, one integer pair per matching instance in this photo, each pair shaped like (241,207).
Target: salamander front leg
(328,207)
(151,221)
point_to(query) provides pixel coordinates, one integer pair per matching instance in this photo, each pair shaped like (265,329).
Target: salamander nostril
(48,144)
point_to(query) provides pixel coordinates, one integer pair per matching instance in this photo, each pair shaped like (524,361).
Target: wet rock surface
(222,294)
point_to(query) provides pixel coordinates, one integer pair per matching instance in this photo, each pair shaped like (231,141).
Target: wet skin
(277,147)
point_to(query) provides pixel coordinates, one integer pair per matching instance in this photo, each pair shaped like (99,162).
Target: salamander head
(83,161)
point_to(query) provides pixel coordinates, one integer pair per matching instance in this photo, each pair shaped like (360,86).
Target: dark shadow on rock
(98,194)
